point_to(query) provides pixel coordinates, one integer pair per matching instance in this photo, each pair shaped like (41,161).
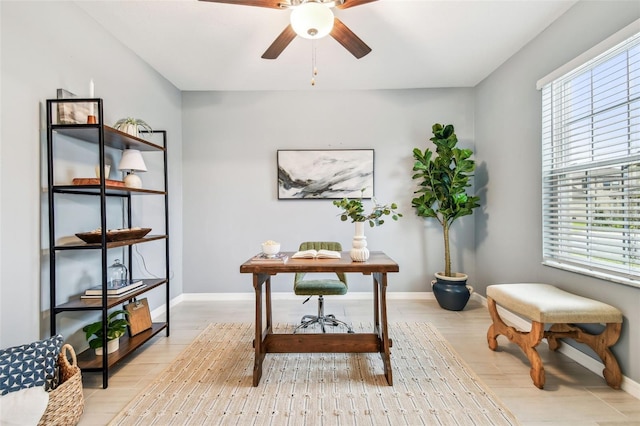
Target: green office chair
(320,287)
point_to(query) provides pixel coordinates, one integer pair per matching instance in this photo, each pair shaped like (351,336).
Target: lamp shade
(132,161)
(312,20)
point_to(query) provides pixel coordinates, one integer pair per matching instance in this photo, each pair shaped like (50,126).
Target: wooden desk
(266,341)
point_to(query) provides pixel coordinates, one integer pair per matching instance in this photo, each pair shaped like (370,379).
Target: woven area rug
(210,383)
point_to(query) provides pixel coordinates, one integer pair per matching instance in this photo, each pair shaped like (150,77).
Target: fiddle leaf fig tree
(443,181)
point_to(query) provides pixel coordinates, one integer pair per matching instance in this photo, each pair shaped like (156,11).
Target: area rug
(210,383)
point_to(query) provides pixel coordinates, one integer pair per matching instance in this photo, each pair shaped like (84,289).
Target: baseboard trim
(594,365)
(352,295)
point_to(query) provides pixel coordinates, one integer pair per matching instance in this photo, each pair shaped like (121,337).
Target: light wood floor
(573,395)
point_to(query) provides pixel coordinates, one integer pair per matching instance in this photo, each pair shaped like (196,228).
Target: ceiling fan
(311,19)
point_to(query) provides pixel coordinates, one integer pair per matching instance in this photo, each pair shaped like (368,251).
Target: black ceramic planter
(452,293)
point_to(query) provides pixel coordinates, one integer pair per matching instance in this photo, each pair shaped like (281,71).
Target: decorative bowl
(270,248)
(113,235)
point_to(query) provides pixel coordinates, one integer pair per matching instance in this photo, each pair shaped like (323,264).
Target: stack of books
(118,290)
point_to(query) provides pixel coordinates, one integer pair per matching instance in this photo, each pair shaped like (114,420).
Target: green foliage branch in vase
(443,181)
(116,328)
(354,209)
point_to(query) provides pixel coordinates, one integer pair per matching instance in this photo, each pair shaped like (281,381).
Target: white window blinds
(591,166)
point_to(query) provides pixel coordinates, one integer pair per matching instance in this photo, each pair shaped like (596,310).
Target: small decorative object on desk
(276,258)
(270,248)
(317,254)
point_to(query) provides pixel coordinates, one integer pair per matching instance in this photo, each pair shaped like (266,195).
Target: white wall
(230,179)
(508,141)
(45,46)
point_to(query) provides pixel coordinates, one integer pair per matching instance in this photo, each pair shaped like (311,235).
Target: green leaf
(353,209)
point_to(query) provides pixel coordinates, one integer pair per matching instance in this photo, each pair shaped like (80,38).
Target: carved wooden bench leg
(600,343)
(526,340)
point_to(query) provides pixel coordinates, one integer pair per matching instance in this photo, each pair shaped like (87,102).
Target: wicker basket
(66,402)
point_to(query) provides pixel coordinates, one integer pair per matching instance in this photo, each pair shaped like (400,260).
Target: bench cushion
(546,303)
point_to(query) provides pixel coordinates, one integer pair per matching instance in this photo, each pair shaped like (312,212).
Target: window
(591,166)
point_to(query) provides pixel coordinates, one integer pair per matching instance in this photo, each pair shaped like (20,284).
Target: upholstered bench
(544,303)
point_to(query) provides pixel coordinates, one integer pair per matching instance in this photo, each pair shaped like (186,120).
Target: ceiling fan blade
(348,39)
(352,3)
(273,4)
(280,43)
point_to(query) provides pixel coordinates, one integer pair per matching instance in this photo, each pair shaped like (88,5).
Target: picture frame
(71,112)
(325,174)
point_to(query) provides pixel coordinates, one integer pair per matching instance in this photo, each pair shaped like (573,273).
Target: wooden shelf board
(88,360)
(111,244)
(79,304)
(110,190)
(112,137)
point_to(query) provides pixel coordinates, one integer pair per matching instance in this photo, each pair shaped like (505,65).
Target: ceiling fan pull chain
(314,69)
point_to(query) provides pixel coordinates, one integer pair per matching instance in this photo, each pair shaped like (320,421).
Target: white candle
(91,89)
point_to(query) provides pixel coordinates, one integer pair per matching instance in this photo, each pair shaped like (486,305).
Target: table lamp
(132,162)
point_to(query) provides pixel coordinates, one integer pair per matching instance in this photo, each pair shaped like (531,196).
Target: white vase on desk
(359,251)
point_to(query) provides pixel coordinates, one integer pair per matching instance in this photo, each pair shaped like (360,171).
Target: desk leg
(380,287)
(376,305)
(267,303)
(258,343)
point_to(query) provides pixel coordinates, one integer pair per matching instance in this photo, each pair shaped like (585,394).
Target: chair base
(321,319)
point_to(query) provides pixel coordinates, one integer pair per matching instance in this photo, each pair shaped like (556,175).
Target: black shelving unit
(101,136)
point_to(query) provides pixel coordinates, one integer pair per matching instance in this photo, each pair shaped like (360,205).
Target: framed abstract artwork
(325,174)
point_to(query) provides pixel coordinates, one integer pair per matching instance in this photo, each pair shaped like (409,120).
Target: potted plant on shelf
(354,209)
(442,195)
(132,126)
(116,327)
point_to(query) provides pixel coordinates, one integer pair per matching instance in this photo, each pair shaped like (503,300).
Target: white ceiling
(199,45)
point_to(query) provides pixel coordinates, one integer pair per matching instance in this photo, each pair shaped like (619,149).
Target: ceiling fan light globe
(312,20)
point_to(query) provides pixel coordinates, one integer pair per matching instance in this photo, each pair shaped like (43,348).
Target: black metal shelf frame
(103,136)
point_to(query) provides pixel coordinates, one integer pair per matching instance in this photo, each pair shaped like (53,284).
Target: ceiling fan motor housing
(312,20)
